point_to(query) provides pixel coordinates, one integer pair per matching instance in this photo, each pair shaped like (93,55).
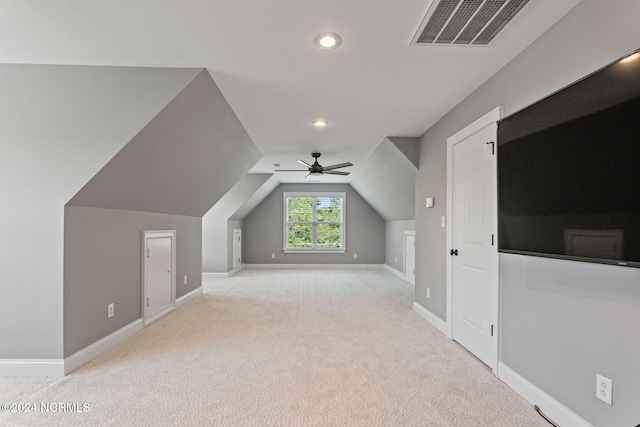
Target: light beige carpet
(283,348)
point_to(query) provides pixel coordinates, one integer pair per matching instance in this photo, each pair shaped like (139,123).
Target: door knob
(453,252)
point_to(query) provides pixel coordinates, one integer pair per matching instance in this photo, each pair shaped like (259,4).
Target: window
(314,222)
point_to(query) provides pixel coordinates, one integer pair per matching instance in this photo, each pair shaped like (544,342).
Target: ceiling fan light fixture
(315,173)
(320,123)
(327,40)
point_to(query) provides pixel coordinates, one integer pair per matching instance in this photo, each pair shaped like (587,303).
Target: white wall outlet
(110,310)
(273,256)
(355,256)
(185,279)
(396,260)
(604,389)
(442,221)
(428,292)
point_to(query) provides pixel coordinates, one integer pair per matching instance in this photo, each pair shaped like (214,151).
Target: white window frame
(343,223)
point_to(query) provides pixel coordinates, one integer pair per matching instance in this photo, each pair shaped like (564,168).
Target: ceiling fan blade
(303,163)
(291,170)
(336,172)
(339,165)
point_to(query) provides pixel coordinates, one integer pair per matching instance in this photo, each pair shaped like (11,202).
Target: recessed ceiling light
(320,123)
(631,57)
(327,40)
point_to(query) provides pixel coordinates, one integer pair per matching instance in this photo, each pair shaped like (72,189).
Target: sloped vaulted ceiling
(387,179)
(182,162)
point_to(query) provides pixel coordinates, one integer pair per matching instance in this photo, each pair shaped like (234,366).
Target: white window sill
(314,251)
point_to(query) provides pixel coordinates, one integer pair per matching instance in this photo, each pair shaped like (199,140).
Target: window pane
(328,209)
(300,209)
(299,236)
(328,236)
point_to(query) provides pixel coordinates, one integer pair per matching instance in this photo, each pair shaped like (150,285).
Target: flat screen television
(569,171)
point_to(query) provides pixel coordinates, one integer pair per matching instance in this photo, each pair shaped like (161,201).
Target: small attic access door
(159,277)
(237,249)
(410,256)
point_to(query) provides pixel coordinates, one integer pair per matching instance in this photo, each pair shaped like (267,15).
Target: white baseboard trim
(30,368)
(398,273)
(438,323)
(221,275)
(555,410)
(394,271)
(211,275)
(314,266)
(188,297)
(94,350)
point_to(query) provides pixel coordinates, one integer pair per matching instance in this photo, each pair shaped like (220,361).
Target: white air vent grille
(466,22)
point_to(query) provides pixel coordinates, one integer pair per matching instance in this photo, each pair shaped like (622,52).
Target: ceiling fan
(316,169)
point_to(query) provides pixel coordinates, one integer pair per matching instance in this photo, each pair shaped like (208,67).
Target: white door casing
(472,258)
(410,256)
(159,274)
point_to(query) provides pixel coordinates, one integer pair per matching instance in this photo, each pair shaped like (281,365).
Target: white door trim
(156,234)
(491,117)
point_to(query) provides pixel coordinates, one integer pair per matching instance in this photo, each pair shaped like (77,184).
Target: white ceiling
(261,55)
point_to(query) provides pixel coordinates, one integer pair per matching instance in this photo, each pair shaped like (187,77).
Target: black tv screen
(569,171)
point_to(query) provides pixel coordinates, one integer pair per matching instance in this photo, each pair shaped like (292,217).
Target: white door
(159,277)
(473,256)
(410,257)
(237,249)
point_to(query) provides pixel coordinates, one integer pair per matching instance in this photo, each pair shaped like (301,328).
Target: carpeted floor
(282,348)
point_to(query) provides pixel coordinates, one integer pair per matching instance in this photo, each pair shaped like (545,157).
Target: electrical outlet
(355,256)
(110,310)
(396,260)
(428,292)
(604,389)
(273,256)
(442,222)
(185,279)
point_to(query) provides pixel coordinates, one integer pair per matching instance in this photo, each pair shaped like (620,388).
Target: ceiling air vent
(466,22)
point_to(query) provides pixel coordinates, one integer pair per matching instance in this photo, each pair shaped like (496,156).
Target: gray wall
(102,265)
(394,242)
(562,321)
(263,228)
(170,174)
(214,245)
(215,228)
(58,126)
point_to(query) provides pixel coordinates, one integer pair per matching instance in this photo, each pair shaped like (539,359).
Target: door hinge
(148,304)
(492,241)
(493,147)
(491,330)
(147,252)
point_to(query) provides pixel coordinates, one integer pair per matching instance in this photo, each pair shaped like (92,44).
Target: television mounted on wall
(569,171)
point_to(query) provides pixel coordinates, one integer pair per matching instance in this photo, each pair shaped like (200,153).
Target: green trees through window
(314,222)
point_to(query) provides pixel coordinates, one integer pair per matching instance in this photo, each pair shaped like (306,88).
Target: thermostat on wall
(429,202)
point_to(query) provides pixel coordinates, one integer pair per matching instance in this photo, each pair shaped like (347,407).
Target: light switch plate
(429,202)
